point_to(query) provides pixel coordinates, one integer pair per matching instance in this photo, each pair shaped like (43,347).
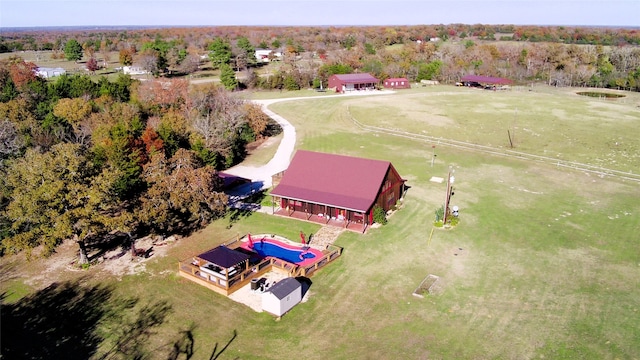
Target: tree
(21,72)
(217,117)
(92,64)
(73,50)
(180,194)
(126,56)
(228,77)
(190,64)
(247,50)
(219,52)
(73,110)
(148,60)
(161,96)
(429,71)
(10,140)
(60,195)
(258,120)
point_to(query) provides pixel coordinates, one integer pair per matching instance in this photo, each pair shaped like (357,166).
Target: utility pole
(450,180)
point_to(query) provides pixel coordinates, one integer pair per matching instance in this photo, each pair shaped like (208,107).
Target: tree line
(83,158)
(556,55)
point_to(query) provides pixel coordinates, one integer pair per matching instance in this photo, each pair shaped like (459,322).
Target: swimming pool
(289,253)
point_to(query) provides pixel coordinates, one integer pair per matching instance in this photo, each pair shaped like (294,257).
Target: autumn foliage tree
(92,64)
(59,195)
(22,72)
(180,194)
(72,110)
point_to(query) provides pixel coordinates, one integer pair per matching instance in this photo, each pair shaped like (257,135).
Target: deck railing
(221,282)
(227,285)
(334,252)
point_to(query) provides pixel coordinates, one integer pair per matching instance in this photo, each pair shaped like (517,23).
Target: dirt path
(282,157)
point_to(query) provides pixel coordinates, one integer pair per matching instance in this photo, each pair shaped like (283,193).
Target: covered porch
(323,214)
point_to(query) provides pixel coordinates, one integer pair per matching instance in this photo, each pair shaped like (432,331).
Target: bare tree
(216,116)
(10,140)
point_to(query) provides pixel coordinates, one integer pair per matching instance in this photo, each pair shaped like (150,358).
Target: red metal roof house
(337,189)
(397,83)
(350,82)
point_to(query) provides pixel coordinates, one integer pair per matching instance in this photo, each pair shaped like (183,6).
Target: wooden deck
(226,287)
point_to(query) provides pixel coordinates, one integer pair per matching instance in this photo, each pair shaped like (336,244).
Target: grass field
(545,262)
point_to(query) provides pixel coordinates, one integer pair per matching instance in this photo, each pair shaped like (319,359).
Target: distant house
(397,83)
(266,55)
(336,190)
(134,70)
(282,296)
(350,82)
(50,72)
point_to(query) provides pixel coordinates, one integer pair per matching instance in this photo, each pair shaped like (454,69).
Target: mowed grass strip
(544,262)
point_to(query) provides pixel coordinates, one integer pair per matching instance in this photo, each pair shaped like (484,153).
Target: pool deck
(286,245)
(240,279)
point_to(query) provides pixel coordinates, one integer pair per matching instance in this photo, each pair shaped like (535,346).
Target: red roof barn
(349,82)
(336,189)
(397,83)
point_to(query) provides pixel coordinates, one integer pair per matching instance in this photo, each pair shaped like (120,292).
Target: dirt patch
(120,262)
(63,264)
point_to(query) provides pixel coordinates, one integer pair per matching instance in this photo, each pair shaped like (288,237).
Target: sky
(38,13)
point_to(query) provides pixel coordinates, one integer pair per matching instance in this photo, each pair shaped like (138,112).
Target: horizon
(310,13)
(128,27)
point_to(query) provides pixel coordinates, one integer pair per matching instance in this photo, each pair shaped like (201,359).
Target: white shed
(282,296)
(134,70)
(50,72)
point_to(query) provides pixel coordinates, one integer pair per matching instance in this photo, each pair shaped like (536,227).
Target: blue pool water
(293,256)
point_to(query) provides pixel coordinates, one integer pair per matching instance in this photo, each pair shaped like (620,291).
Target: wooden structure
(227,267)
(397,83)
(351,82)
(337,189)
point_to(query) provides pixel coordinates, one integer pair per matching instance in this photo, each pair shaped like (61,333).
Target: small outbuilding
(397,83)
(48,73)
(350,82)
(134,70)
(282,296)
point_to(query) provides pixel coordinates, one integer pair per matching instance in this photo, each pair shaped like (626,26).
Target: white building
(265,55)
(50,72)
(134,70)
(282,296)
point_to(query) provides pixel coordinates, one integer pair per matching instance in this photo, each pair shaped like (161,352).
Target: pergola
(486,80)
(221,264)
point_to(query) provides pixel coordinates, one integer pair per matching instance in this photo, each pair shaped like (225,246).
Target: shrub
(440,214)
(379,215)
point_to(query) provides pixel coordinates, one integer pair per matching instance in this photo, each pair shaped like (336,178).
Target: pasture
(545,262)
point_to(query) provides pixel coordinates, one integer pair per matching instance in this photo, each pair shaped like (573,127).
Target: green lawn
(544,263)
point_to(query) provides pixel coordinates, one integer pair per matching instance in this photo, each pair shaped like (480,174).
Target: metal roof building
(350,82)
(339,187)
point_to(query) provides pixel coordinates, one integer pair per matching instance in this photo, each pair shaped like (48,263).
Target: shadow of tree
(215,353)
(184,345)
(236,214)
(72,320)
(61,319)
(129,331)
